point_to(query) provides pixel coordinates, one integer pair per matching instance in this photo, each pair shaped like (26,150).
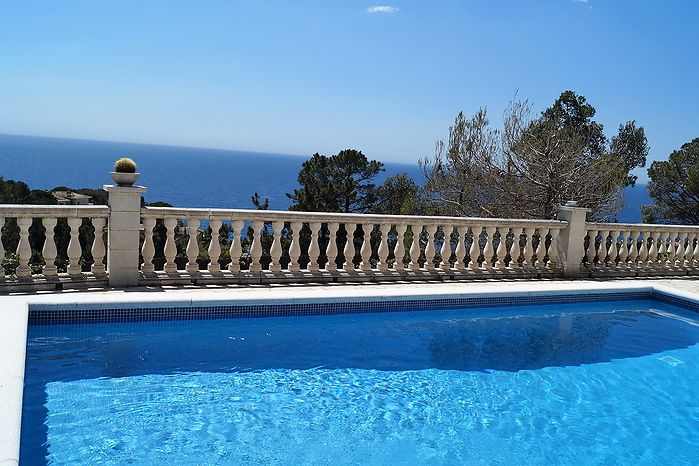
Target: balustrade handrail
(53,211)
(641,226)
(324,217)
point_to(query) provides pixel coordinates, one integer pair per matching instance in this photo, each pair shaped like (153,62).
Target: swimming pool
(577,383)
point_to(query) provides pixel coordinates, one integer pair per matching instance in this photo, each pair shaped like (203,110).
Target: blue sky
(306,76)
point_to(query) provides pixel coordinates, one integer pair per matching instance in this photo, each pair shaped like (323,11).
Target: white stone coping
(14,311)
(642,227)
(53,211)
(322,217)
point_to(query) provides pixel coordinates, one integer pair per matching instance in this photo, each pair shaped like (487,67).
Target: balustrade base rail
(638,272)
(36,282)
(340,276)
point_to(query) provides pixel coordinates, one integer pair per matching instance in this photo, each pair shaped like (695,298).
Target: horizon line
(219,149)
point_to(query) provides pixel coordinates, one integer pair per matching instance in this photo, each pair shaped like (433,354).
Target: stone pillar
(123,236)
(571,241)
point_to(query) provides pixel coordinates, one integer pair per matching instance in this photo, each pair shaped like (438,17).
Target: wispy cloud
(382,9)
(580,1)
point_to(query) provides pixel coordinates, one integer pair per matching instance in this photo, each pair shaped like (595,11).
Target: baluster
(295,247)
(475,250)
(214,249)
(98,249)
(399,250)
(383,251)
(49,251)
(24,250)
(689,253)
(612,252)
(365,252)
(643,248)
(74,249)
(591,251)
(603,249)
(2,248)
(695,253)
(430,250)
(662,251)
(540,248)
(331,250)
(633,251)
(314,248)
(553,249)
(275,251)
(514,248)
(445,250)
(653,248)
(415,247)
(679,252)
(192,251)
(460,249)
(349,250)
(488,248)
(256,246)
(529,247)
(236,248)
(170,246)
(623,249)
(501,252)
(148,249)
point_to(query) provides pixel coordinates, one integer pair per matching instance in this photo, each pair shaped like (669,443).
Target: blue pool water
(602,383)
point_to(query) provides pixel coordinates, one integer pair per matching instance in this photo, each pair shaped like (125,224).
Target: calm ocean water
(182,176)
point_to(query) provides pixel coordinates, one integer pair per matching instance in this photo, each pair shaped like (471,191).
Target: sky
(319,76)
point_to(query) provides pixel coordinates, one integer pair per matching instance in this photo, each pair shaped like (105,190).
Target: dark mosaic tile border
(136,314)
(678,301)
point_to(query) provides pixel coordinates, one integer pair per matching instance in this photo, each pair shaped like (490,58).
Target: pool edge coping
(14,324)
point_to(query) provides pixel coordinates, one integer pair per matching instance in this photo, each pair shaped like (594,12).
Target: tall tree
(339,183)
(533,164)
(674,186)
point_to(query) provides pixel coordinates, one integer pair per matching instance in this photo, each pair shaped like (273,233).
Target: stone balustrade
(640,249)
(259,245)
(49,247)
(41,246)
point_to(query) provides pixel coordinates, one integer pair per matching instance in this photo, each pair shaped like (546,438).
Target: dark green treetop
(674,186)
(401,195)
(339,183)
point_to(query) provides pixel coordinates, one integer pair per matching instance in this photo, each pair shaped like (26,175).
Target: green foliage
(339,183)
(125,165)
(401,195)
(631,146)
(674,186)
(17,192)
(571,115)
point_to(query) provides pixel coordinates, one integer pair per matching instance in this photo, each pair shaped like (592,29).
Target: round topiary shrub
(125,165)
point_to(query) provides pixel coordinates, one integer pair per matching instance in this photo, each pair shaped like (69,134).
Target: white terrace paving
(14,313)
(308,291)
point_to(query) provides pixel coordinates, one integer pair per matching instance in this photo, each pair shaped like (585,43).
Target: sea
(186,176)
